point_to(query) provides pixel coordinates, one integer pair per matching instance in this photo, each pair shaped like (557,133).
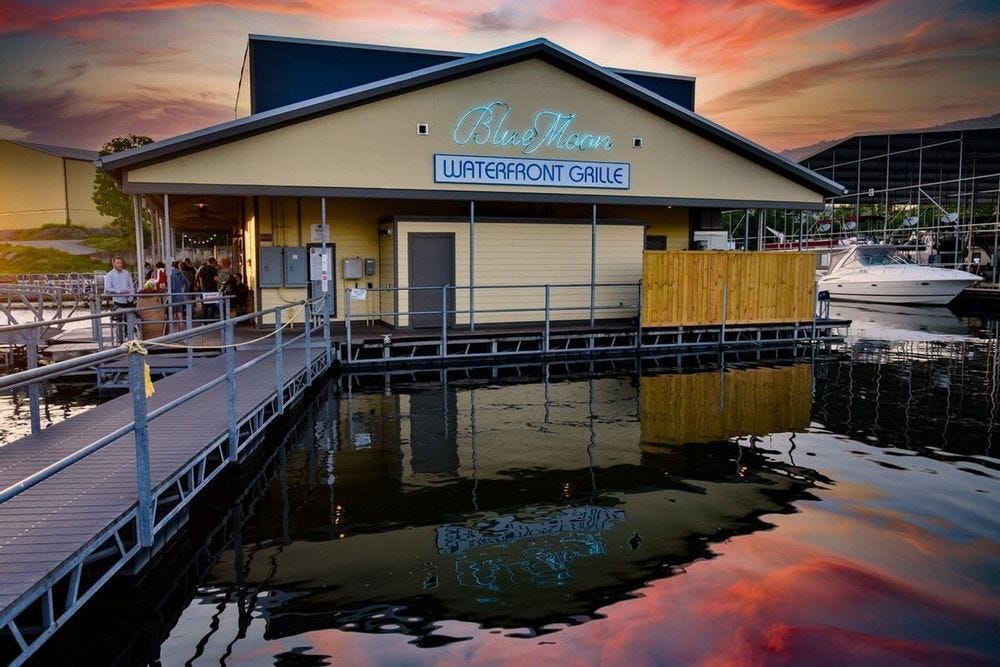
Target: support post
(33,393)
(472,266)
(139,251)
(725,305)
(545,341)
(307,311)
(593,261)
(327,292)
(229,338)
(137,387)
(279,361)
(347,321)
(96,326)
(638,320)
(168,235)
(188,307)
(444,321)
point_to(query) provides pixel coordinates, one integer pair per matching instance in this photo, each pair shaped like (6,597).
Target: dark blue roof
(285,70)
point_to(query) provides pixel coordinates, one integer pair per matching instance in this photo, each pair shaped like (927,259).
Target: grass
(20,259)
(57,232)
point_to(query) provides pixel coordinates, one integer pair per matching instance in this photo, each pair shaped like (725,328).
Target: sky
(783,73)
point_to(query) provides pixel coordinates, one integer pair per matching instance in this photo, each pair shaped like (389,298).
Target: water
(835,511)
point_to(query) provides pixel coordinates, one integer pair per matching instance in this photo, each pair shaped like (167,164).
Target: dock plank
(48,524)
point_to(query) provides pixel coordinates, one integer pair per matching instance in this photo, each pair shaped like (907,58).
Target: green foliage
(55,232)
(21,259)
(117,243)
(108,199)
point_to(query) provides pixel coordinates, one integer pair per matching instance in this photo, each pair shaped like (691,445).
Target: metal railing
(33,376)
(157,506)
(628,308)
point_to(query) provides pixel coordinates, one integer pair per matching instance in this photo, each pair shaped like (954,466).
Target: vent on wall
(423,129)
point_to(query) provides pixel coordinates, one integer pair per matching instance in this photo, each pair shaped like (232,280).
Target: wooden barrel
(153,313)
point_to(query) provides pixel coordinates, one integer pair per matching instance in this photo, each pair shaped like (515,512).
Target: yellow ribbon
(135,347)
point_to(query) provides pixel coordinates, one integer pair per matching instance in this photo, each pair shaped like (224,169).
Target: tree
(108,199)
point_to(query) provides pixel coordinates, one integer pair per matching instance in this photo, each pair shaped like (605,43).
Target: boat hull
(874,290)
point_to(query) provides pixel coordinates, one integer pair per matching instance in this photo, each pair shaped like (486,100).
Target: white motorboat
(879,274)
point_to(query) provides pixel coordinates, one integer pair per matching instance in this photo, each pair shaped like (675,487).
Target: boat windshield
(878,255)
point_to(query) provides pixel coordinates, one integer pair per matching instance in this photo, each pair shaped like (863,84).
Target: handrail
(41,475)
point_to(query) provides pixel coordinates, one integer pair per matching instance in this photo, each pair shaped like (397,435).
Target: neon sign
(486,125)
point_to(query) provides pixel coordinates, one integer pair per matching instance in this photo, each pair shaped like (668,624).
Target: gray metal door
(432,264)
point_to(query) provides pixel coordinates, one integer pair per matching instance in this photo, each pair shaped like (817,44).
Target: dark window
(656,242)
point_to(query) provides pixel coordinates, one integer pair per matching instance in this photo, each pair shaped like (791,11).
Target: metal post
(347,321)
(279,361)
(33,393)
(920,182)
(188,307)
(139,254)
(593,261)
(638,320)
(472,266)
(168,250)
(307,311)
(96,325)
(545,342)
(444,321)
(229,338)
(137,387)
(725,304)
(327,293)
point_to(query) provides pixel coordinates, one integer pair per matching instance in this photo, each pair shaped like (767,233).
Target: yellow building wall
(35,188)
(376,146)
(80,190)
(31,188)
(351,230)
(536,254)
(670,221)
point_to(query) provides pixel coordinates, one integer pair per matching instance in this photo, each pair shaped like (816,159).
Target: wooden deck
(46,531)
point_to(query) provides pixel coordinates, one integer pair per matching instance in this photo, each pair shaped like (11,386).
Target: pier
(89,496)
(103,491)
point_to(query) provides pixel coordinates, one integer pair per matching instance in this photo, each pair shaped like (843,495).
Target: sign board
(530,171)
(319,263)
(316,233)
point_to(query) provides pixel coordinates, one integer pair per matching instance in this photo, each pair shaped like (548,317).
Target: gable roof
(60,151)
(537,48)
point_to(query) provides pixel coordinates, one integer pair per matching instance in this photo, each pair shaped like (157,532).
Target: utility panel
(370,266)
(270,266)
(353,268)
(296,267)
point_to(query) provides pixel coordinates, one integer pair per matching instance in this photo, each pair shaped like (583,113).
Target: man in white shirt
(118,284)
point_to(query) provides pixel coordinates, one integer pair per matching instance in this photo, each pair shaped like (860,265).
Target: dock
(68,534)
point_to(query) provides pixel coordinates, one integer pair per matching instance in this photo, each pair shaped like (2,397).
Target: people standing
(179,285)
(207,282)
(118,283)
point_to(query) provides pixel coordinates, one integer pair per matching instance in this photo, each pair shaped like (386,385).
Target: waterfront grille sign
(489,124)
(530,171)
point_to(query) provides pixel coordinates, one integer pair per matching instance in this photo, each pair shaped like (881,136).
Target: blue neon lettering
(486,124)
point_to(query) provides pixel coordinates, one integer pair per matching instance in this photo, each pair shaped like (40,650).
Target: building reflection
(516,504)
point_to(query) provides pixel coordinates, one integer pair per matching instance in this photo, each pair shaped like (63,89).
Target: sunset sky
(783,73)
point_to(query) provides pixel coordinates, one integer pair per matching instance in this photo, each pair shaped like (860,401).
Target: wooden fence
(707,407)
(682,288)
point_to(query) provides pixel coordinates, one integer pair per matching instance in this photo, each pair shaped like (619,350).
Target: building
(46,185)
(494,173)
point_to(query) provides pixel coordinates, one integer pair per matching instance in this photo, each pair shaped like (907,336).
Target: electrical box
(296,267)
(370,266)
(353,268)
(270,266)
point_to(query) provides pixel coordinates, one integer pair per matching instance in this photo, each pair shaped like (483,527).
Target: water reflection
(611,517)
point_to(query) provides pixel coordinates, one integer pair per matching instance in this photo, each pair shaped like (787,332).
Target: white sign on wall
(530,171)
